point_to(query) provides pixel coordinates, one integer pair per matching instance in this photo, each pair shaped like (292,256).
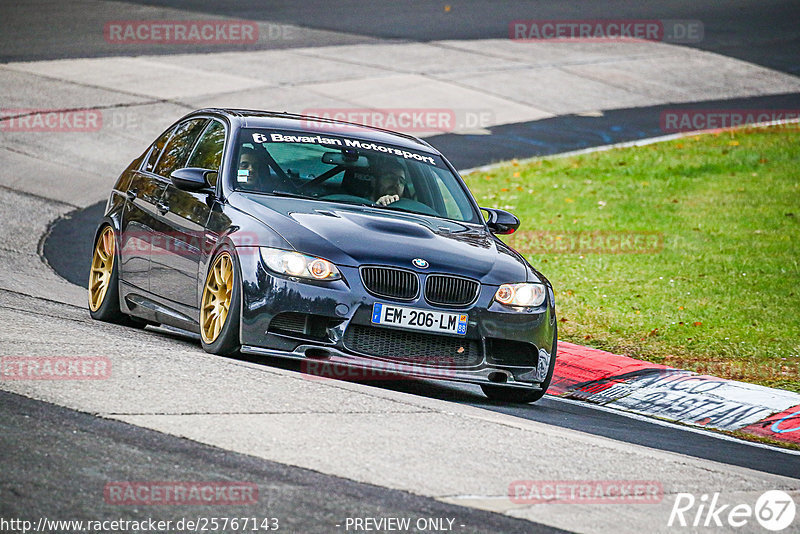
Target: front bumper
(342,304)
(374,369)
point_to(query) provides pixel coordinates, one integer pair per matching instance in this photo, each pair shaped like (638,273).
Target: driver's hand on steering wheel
(385,200)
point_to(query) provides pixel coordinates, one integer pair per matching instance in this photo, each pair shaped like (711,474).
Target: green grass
(718,293)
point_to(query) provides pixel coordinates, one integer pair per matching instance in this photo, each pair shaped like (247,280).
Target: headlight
(521,294)
(292,263)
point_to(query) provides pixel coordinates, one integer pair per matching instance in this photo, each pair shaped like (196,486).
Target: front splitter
(367,369)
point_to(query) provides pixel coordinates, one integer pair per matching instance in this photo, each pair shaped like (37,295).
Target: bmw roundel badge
(419,262)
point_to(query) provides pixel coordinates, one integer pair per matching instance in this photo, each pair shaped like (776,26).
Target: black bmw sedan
(324,241)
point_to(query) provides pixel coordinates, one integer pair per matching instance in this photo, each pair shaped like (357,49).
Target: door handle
(162,208)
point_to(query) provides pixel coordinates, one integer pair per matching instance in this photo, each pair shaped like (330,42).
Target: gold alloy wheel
(102,266)
(216,298)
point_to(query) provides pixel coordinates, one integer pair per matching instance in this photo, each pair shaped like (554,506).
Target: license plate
(416,319)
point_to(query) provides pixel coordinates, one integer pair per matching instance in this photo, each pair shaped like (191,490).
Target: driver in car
(250,167)
(389,184)
(253,172)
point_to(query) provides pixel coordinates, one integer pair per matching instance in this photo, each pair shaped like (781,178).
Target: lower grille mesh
(289,322)
(508,352)
(302,325)
(424,349)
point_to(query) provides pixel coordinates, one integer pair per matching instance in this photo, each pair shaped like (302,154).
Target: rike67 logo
(774,510)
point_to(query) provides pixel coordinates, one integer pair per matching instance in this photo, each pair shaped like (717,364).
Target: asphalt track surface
(764,33)
(759,32)
(84,453)
(579,416)
(535,138)
(753,31)
(76,233)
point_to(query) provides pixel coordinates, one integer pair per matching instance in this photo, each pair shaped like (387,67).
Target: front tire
(220,306)
(525,396)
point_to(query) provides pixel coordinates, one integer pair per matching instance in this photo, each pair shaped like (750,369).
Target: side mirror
(501,222)
(193,179)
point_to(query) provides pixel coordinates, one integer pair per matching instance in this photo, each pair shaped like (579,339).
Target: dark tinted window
(355,171)
(208,151)
(155,150)
(178,147)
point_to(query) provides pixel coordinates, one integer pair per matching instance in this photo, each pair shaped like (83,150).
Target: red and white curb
(631,385)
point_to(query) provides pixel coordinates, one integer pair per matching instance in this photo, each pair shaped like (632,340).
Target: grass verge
(685,253)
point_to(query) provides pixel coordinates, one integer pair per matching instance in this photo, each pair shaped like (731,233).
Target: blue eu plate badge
(376,312)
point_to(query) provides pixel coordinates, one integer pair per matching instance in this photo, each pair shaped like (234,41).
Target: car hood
(351,235)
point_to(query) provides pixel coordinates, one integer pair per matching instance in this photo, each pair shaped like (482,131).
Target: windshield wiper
(349,202)
(425,214)
(405,210)
(415,212)
(287,194)
(290,195)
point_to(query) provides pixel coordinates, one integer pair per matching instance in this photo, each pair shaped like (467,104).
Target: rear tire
(220,307)
(524,396)
(104,282)
(104,279)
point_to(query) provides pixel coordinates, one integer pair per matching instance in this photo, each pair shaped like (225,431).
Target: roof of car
(248,118)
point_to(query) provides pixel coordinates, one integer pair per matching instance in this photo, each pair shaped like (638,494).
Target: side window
(208,151)
(155,150)
(178,147)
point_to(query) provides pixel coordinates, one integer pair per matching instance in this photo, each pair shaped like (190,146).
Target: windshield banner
(345,143)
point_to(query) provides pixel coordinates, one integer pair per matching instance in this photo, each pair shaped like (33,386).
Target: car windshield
(351,171)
